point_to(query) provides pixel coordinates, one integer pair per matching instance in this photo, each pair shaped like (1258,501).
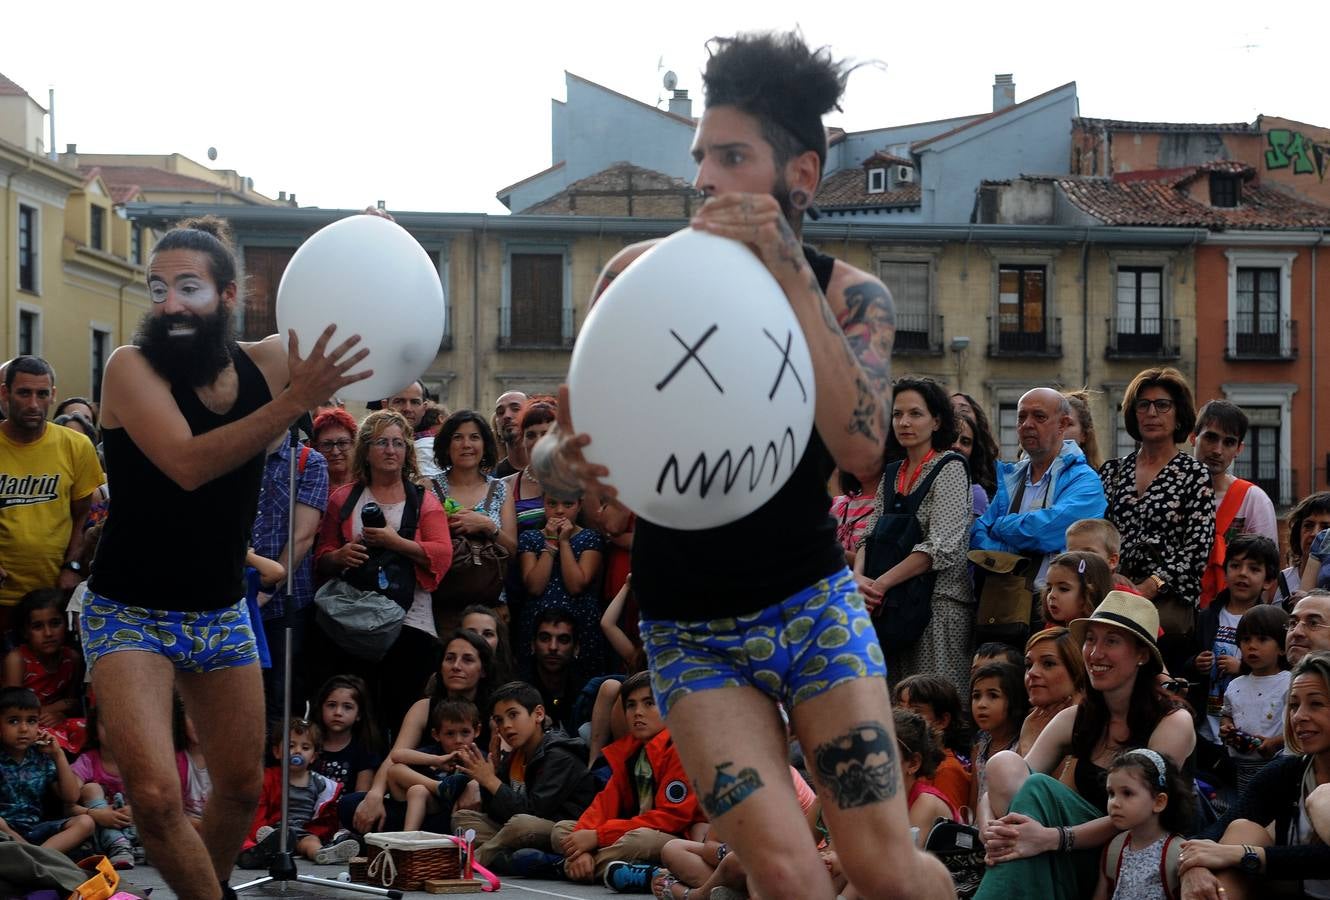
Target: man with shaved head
(1039,496)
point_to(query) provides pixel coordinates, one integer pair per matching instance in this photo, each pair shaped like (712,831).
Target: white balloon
(694,381)
(370,277)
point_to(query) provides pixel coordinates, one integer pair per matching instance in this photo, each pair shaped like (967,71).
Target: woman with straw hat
(1043,838)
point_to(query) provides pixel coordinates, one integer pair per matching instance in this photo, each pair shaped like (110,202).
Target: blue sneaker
(629,878)
(532,863)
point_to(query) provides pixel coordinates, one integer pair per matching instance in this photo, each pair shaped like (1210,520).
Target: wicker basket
(405,860)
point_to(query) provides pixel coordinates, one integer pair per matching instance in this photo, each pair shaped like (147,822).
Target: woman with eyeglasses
(384,472)
(334,436)
(1161,501)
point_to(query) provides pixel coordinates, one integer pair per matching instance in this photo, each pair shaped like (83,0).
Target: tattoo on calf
(859,767)
(728,791)
(867,414)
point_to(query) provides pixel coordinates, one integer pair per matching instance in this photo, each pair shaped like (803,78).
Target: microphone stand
(283,868)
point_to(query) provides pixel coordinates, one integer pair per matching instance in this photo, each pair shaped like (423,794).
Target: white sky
(437,105)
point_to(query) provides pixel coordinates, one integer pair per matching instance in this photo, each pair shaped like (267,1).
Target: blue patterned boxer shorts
(797,649)
(193,641)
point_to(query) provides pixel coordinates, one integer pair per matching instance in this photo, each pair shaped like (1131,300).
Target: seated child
(647,802)
(544,779)
(936,700)
(32,765)
(311,807)
(103,795)
(352,750)
(426,777)
(46,664)
(919,759)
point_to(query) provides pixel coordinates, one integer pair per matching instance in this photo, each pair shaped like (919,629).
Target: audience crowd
(1110,680)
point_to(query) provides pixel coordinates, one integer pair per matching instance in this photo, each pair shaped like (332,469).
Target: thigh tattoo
(728,791)
(859,767)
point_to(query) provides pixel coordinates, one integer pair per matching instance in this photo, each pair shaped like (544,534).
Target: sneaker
(263,832)
(120,855)
(629,878)
(261,855)
(533,863)
(337,853)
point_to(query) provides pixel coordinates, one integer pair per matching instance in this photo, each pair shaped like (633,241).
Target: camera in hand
(371,516)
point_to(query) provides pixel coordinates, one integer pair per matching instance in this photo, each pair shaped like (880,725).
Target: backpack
(1111,864)
(1213,580)
(907,608)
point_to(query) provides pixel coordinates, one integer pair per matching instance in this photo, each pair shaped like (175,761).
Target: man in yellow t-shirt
(48,475)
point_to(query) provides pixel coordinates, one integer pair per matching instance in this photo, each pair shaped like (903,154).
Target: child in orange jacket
(647,802)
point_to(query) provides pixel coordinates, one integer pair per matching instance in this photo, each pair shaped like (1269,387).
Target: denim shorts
(794,650)
(43,831)
(193,641)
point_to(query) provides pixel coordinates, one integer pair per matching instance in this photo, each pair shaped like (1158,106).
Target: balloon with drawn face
(693,379)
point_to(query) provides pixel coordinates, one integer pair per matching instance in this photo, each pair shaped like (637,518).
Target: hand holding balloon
(318,376)
(557,459)
(756,220)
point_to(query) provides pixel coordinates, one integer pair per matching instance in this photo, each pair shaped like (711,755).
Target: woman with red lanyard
(924,491)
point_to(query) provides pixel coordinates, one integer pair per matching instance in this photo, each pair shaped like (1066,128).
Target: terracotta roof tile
(149,179)
(883,158)
(1125,125)
(1136,199)
(848,189)
(611,180)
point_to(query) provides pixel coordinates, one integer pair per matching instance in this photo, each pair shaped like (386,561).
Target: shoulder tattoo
(869,323)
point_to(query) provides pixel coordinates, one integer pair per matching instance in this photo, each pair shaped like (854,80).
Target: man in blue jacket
(1039,496)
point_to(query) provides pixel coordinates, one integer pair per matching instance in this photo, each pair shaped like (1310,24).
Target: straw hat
(1130,612)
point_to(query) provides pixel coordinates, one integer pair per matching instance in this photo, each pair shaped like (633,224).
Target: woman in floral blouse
(1161,501)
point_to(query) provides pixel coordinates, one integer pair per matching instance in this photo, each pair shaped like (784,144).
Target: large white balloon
(693,379)
(370,277)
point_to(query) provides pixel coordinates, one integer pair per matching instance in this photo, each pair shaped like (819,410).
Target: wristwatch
(1251,860)
(74,566)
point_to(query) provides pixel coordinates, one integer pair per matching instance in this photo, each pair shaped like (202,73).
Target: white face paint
(694,381)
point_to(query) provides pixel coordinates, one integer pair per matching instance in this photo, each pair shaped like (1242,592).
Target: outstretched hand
(559,453)
(321,374)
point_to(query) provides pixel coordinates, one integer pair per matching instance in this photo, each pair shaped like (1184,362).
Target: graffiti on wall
(1286,148)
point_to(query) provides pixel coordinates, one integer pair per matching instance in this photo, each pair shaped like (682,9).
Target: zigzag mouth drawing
(708,475)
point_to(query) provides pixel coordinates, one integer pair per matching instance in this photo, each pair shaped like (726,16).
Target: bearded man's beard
(187,349)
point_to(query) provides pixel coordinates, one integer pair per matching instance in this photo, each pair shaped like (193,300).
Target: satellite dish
(212,153)
(671,80)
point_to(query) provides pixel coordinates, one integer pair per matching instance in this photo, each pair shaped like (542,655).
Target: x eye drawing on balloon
(774,451)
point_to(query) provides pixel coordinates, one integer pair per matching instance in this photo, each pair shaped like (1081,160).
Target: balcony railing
(1007,338)
(1130,338)
(536,340)
(918,335)
(1280,484)
(1261,336)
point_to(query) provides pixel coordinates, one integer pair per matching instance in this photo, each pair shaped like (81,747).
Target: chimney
(680,105)
(281,196)
(293,198)
(1004,92)
(72,155)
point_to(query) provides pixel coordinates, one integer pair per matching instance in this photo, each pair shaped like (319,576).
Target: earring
(799,198)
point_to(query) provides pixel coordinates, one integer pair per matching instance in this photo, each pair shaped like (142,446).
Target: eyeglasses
(327,446)
(1176,686)
(385,443)
(1161,406)
(1309,624)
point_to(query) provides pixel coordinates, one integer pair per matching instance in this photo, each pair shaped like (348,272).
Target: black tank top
(164,547)
(786,545)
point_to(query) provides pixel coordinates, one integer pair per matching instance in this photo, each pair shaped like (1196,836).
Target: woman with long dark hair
(923,428)
(1045,839)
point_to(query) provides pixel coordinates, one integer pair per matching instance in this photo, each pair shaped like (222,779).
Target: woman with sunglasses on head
(1161,501)
(385,474)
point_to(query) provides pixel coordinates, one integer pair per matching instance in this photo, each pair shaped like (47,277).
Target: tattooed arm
(849,412)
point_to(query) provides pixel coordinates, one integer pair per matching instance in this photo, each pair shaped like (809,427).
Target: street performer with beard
(719,605)
(187,415)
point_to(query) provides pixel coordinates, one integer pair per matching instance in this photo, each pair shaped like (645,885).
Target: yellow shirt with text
(38,481)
